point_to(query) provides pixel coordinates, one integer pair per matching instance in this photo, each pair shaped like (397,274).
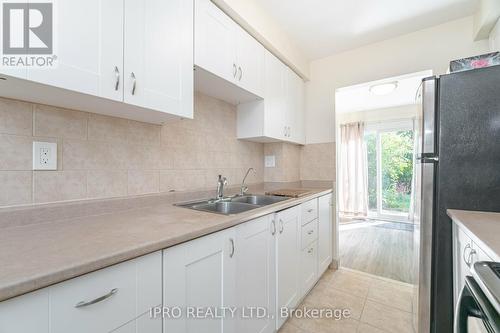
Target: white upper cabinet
(214,40)
(250,61)
(280,116)
(224,49)
(89,48)
(126,58)
(158,55)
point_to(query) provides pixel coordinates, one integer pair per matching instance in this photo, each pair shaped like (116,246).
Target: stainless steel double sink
(233,205)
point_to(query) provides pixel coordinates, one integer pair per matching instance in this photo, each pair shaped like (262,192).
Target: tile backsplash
(104,157)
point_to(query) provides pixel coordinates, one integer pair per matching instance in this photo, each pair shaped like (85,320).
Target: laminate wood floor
(380,248)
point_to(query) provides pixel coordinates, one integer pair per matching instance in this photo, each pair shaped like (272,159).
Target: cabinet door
(114,296)
(325,235)
(215,49)
(89,48)
(287,259)
(479,255)
(308,268)
(255,274)
(143,324)
(158,55)
(461,253)
(294,117)
(27,313)
(200,274)
(275,95)
(250,62)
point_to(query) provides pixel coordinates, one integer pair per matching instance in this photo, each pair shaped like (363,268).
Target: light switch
(44,155)
(270,161)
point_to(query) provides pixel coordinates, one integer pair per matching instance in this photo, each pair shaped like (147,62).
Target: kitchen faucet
(244,188)
(221,182)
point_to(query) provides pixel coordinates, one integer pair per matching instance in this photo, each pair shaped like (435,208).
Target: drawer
(308,268)
(108,298)
(309,211)
(309,233)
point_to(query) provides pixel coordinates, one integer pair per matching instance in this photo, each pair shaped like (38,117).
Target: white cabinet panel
(462,247)
(255,273)
(200,273)
(143,324)
(295,108)
(287,259)
(250,61)
(89,48)
(275,98)
(215,40)
(308,268)
(137,287)
(325,235)
(27,313)
(158,55)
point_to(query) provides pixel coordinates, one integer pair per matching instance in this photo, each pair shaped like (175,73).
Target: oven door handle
(473,303)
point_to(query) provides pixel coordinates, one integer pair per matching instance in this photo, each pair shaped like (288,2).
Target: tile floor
(377,305)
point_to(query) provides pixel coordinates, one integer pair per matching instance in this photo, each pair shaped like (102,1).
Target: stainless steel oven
(478,307)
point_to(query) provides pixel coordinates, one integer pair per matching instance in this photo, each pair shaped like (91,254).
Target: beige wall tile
(317,162)
(143,182)
(182,180)
(143,133)
(56,122)
(53,186)
(105,184)
(16,117)
(104,128)
(92,155)
(16,187)
(16,152)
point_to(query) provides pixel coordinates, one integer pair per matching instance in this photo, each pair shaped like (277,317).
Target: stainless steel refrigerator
(459,165)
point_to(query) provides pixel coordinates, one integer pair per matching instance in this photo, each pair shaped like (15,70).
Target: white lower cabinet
(325,234)
(287,260)
(255,275)
(27,313)
(265,264)
(96,302)
(200,274)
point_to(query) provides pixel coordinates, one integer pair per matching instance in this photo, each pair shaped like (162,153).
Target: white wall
(430,48)
(265,29)
(379,115)
(495,37)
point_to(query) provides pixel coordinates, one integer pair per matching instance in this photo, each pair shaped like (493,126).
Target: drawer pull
(310,210)
(310,250)
(97,300)
(310,232)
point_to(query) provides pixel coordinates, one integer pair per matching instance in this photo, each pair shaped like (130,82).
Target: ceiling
(359,98)
(324,27)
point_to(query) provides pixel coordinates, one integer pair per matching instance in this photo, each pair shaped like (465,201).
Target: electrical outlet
(44,155)
(270,161)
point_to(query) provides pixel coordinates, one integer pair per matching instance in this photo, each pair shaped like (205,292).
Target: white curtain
(353,196)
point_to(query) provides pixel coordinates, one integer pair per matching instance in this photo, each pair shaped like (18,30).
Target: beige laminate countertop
(482,227)
(38,255)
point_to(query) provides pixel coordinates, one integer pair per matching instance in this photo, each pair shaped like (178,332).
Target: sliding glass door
(390,149)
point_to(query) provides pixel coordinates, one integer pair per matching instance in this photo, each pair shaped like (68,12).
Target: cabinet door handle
(273,230)
(231,254)
(96,300)
(310,250)
(234,70)
(310,210)
(132,75)
(241,73)
(310,232)
(289,131)
(117,78)
(468,259)
(282,227)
